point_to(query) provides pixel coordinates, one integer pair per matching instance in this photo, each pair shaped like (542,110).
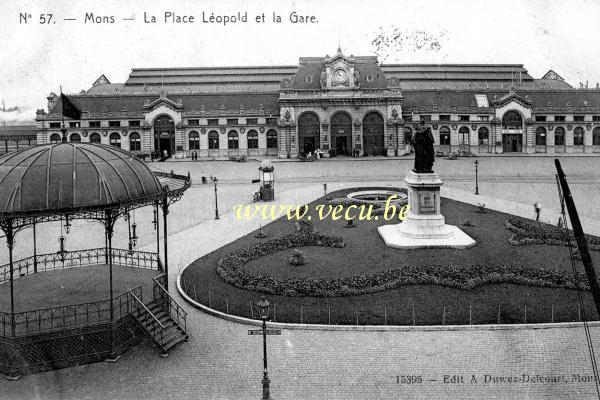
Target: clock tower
(339,72)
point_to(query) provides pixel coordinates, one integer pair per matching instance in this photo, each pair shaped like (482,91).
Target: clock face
(339,75)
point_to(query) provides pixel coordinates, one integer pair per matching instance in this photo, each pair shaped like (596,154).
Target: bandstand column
(108,229)
(34,249)
(157,220)
(165,207)
(10,241)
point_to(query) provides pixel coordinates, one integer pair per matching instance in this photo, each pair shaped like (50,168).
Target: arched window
(463,135)
(596,136)
(271,139)
(135,142)
(483,136)
(407,135)
(115,139)
(512,120)
(75,138)
(213,140)
(233,141)
(253,139)
(540,136)
(559,136)
(55,138)
(445,136)
(194,141)
(578,136)
(95,138)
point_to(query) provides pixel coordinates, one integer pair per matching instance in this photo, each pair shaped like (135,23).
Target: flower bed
(231,269)
(528,233)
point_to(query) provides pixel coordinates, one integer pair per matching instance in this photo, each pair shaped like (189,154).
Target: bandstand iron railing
(79,258)
(109,321)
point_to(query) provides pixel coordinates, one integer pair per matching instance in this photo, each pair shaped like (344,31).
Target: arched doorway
(164,136)
(95,138)
(483,139)
(464,141)
(341,133)
(596,139)
(308,133)
(373,139)
(272,142)
(408,138)
(559,139)
(540,139)
(444,145)
(115,139)
(512,132)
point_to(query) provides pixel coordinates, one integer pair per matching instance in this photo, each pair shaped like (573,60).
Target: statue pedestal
(425,226)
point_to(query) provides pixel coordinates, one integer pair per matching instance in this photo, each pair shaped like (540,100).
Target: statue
(422,142)
(323,79)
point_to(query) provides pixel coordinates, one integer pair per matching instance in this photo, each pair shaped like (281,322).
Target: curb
(376,328)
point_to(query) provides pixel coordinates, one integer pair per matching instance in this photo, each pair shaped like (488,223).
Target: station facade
(341,105)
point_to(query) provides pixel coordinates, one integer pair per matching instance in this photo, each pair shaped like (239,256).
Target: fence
(49,319)
(78,258)
(328,311)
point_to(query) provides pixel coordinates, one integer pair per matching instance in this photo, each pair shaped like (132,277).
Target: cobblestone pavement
(223,362)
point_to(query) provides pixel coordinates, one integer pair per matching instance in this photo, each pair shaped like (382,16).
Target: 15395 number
(409,379)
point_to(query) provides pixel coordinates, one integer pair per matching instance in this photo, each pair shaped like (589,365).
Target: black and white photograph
(299,199)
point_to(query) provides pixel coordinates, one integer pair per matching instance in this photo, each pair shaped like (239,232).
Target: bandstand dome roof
(67,177)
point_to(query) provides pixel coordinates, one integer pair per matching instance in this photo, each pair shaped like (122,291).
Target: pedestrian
(538,210)
(203,175)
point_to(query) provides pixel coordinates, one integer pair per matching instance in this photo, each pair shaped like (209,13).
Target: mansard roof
(581,101)
(114,106)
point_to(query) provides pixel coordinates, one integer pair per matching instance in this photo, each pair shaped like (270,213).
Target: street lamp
(67,225)
(476,178)
(214,180)
(155,220)
(263,306)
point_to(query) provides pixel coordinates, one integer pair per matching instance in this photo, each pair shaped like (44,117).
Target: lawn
(365,253)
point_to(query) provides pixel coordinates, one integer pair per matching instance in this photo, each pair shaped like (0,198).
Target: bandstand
(63,182)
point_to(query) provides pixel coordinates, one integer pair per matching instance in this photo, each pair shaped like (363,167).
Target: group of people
(194,155)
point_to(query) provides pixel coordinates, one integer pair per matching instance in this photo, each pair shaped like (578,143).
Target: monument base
(424,227)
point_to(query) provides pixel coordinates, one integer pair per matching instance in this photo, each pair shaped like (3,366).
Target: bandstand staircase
(162,319)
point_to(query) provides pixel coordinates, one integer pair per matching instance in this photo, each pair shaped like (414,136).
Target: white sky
(37,59)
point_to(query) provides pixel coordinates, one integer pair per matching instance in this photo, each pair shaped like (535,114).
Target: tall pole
(476,178)
(216,201)
(579,237)
(165,207)
(34,249)
(265,380)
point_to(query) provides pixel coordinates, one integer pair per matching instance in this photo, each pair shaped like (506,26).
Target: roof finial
(339,49)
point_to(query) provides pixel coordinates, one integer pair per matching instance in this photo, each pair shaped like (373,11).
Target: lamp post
(214,180)
(263,306)
(476,178)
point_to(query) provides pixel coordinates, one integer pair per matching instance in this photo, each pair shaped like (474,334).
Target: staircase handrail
(147,311)
(181,314)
